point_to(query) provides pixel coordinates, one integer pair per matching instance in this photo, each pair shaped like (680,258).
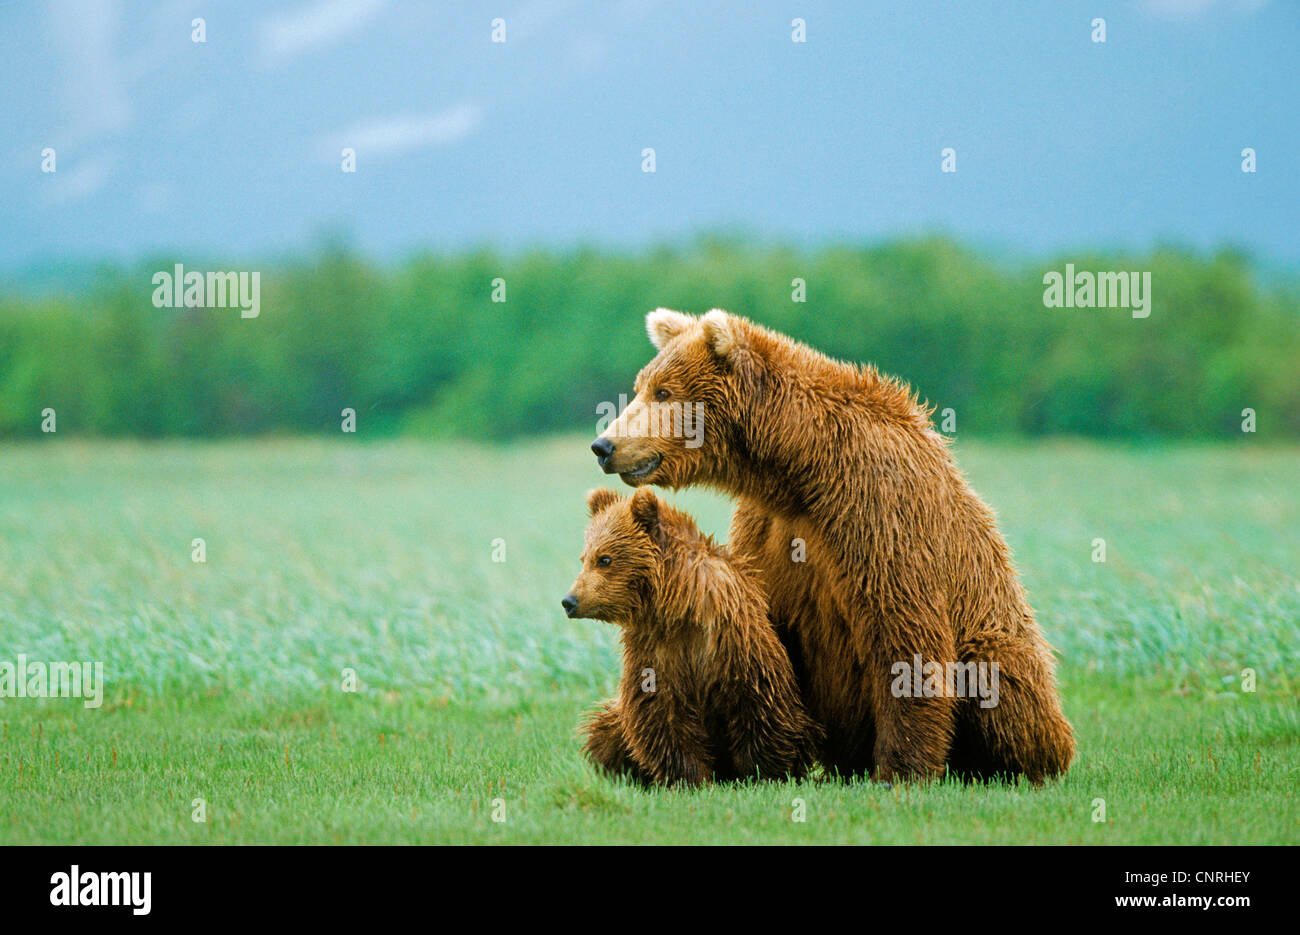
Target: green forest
(491,345)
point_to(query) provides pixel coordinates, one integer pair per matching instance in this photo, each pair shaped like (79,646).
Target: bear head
(621,559)
(683,426)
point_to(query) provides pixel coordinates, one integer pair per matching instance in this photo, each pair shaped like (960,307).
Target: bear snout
(570,605)
(603,449)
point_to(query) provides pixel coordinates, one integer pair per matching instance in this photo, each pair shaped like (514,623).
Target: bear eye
(604,561)
(662,394)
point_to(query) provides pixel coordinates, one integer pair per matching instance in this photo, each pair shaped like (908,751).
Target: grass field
(224,678)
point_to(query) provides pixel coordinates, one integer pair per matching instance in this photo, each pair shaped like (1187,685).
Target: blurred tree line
(421,347)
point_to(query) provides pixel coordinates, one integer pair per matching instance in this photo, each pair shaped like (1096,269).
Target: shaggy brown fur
(724,702)
(902,557)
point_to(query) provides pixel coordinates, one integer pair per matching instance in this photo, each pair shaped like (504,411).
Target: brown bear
(874,551)
(707,690)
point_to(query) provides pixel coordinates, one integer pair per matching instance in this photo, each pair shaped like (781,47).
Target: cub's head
(682,426)
(621,560)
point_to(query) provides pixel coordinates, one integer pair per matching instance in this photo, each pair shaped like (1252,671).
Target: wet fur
(726,704)
(902,557)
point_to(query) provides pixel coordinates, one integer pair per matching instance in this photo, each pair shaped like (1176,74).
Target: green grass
(224,678)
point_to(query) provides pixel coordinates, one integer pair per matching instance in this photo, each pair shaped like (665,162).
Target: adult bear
(874,550)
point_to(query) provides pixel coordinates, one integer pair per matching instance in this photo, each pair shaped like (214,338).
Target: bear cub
(707,690)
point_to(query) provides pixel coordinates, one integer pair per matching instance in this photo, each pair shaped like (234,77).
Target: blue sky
(231,148)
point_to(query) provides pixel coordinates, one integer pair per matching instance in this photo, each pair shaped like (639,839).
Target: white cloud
(80,182)
(84,33)
(156,197)
(393,136)
(1195,9)
(587,50)
(317,26)
(533,16)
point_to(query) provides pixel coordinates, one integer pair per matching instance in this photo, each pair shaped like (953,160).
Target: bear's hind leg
(914,732)
(1021,729)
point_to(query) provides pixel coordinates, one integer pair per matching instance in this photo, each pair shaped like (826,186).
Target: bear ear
(730,337)
(645,510)
(600,499)
(724,333)
(663,324)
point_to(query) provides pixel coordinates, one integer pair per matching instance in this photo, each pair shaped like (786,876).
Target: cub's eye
(662,394)
(604,561)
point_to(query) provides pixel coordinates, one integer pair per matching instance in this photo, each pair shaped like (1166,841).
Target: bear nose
(603,448)
(570,604)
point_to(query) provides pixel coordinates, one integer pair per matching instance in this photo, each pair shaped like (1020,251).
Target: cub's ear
(645,509)
(663,324)
(600,499)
